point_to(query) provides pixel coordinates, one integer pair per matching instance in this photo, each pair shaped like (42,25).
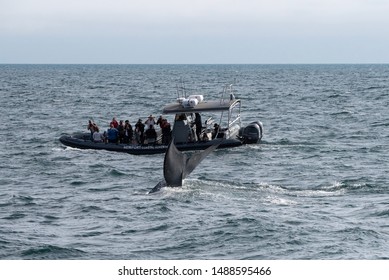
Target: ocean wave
(116,173)
(341,113)
(105,188)
(381,214)
(354,185)
(358,232)
(335,189)
(280,201)
(288,142)
(382,123)
(23,200)
(92,233)
(51,252)
(95,87)
(78,183)
(15,216)
(90,208)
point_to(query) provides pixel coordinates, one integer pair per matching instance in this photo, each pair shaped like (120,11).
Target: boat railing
(236,120)
(227,91)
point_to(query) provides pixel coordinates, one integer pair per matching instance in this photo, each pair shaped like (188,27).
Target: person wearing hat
(150,122)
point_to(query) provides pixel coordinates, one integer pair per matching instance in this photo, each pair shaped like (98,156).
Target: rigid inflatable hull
(81,141)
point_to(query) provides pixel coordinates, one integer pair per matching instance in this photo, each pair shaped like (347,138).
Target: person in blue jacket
(112,134)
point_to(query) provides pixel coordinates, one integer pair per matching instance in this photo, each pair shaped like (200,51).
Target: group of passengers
(122,132)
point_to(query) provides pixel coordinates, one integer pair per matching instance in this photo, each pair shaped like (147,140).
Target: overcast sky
(195,31)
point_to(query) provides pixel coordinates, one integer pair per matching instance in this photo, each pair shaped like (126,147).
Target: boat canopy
(205,106)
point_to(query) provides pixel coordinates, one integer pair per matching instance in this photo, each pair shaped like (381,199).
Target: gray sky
(195,31)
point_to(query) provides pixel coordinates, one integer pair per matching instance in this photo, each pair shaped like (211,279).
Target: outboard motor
(252,133)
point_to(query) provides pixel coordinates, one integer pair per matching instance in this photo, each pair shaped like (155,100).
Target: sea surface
(316,187)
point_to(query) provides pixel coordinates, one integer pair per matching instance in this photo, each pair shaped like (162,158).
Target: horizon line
(286,63)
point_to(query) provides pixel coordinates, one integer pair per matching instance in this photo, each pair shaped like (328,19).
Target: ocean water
(316,187)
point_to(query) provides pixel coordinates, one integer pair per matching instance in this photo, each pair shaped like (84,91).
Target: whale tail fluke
(177,165)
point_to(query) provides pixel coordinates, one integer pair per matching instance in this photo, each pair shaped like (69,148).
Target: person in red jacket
(114,122)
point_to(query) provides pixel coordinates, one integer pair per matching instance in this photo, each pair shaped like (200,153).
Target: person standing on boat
(92,127)
(150,122)
(139,131)
(120,128)
(151,135)
(215,132)
(159,121)
(199,126)
(114,122)
(128,132)
(112,134)
(166,132)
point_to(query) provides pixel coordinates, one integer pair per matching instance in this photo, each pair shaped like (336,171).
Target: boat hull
(82,141)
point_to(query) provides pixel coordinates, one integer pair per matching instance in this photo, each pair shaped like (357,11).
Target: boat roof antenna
(181,91)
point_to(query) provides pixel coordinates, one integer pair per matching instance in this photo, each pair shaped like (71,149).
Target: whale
(178,165)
